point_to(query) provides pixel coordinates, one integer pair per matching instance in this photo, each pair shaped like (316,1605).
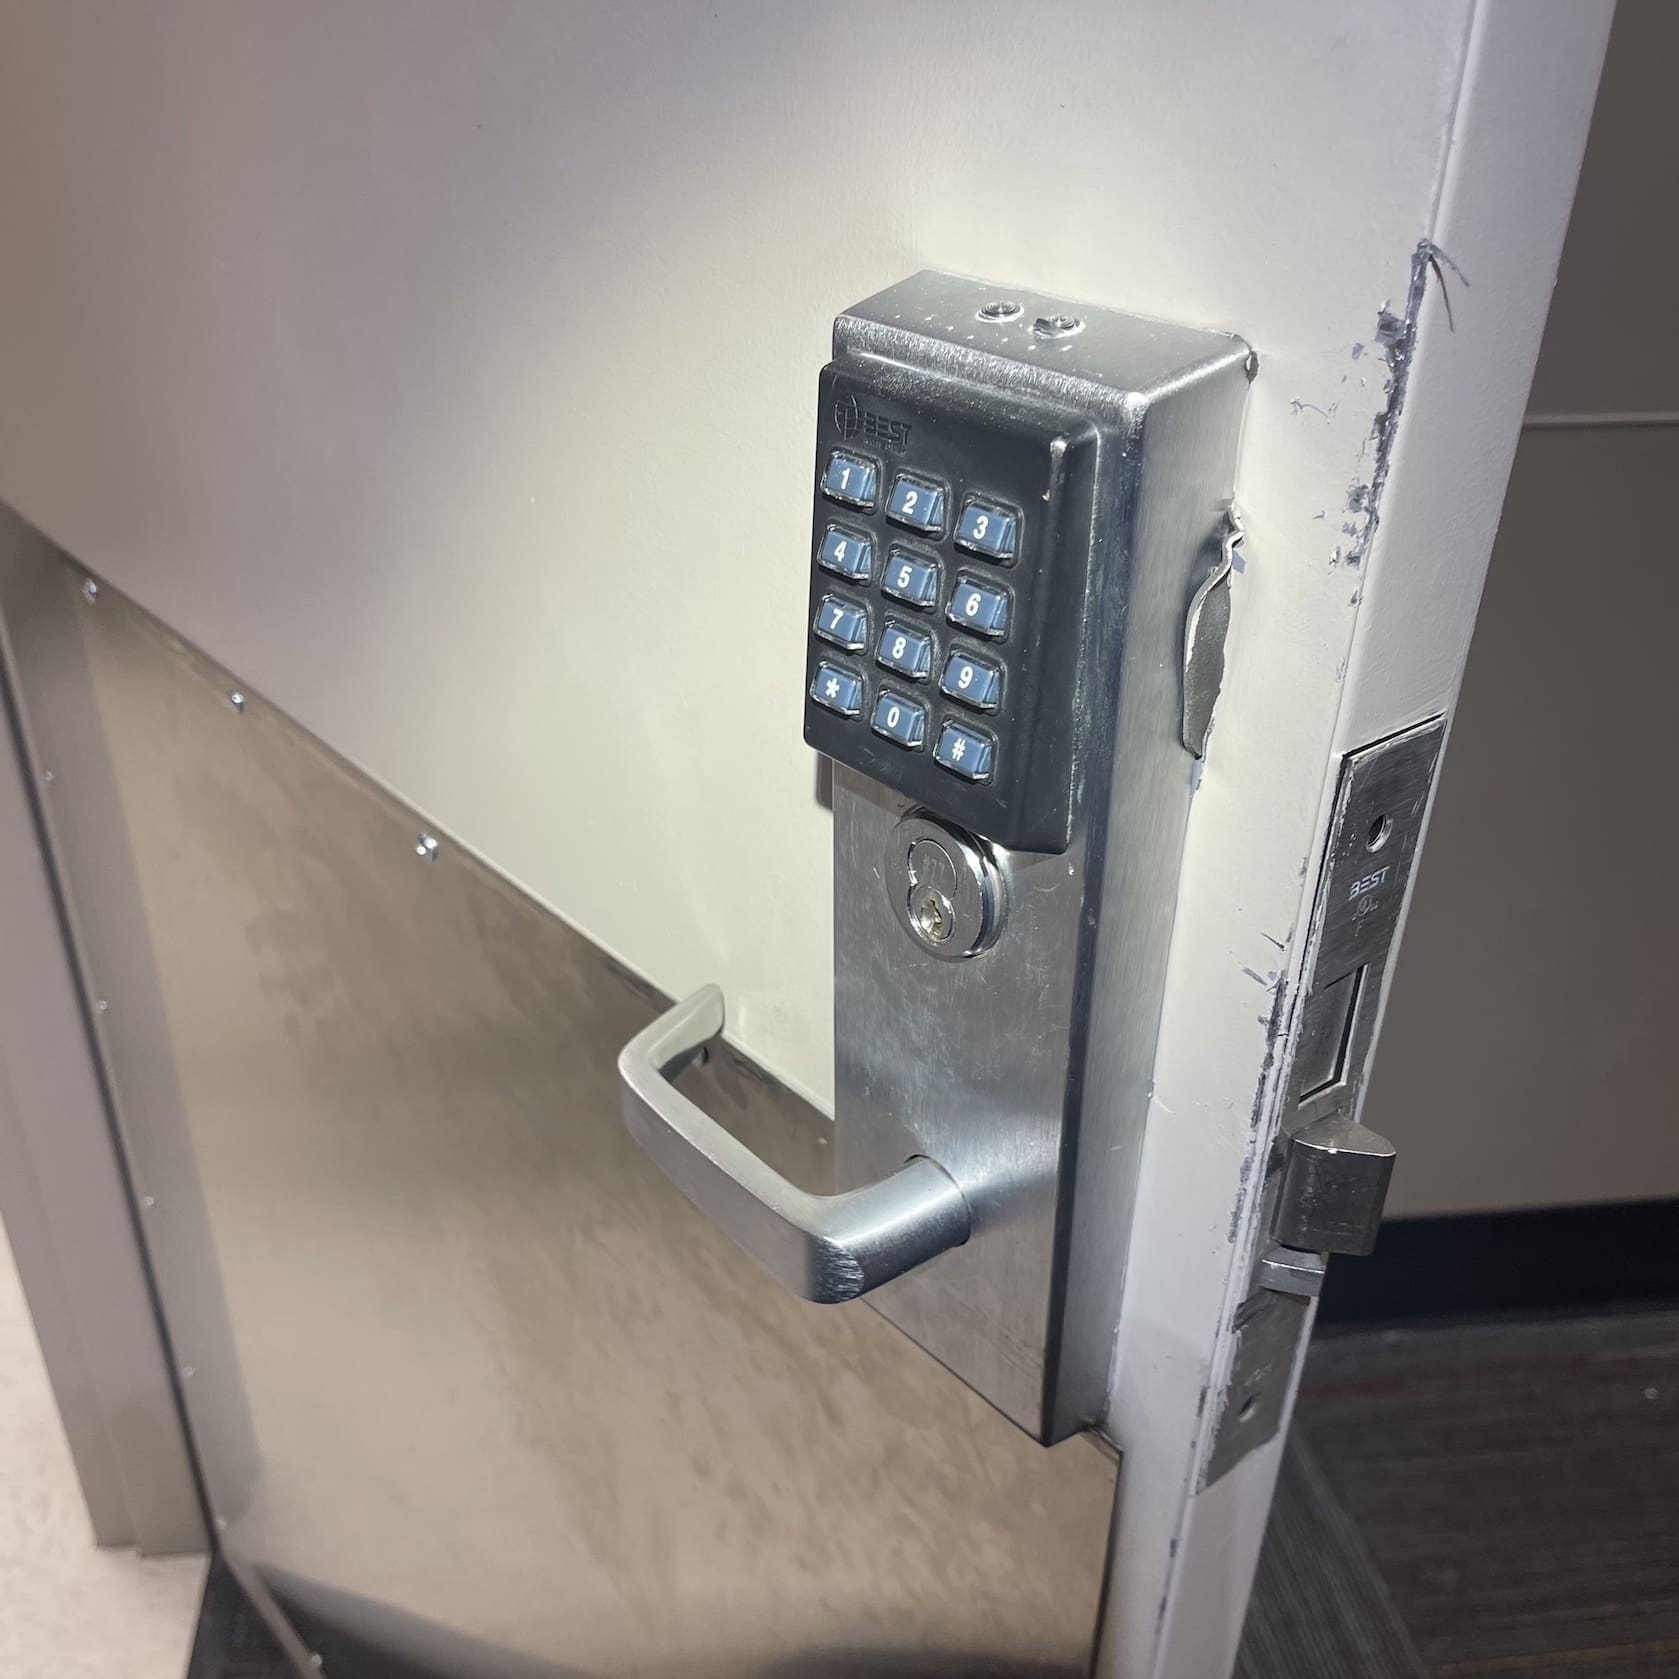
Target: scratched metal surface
(504,1403)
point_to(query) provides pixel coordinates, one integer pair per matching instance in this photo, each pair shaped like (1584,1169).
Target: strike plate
(1327,1175)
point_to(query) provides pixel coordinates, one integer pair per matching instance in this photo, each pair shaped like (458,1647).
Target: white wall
(448,371)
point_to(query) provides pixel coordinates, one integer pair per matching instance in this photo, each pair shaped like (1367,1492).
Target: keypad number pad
(929,577)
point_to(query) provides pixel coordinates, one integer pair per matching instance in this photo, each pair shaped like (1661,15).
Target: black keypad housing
(1029,466)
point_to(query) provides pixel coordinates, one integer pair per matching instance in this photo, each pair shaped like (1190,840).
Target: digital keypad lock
(976,478)
(949,540)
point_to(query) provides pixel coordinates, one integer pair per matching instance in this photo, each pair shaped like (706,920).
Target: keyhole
(934,916)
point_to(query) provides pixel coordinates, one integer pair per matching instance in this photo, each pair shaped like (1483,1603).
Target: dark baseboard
(1622,1254)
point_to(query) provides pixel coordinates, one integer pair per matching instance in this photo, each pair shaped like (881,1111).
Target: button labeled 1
(850,478)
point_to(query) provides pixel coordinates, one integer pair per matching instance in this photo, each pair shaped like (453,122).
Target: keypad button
(901,719)
(842,622)
(979,607)
(838,689)
(987,529)
(916,503)
(907,651)
(846,554)
(973,681)
(851,479)
(910,579)
(965,752)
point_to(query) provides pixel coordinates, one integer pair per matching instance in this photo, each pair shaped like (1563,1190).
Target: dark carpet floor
(1496,1498)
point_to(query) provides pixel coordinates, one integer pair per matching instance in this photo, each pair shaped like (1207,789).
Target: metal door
(415,400)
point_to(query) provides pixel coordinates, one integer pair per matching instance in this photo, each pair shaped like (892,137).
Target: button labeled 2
(900,718)
(916,504)
(907,651)
(979,607)
(843,623)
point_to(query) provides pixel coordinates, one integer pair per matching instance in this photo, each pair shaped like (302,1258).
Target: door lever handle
(826,1248)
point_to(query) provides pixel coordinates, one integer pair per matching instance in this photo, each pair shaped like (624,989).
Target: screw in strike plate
(425,848)
(1000,309)
(1057,326)
(90,589)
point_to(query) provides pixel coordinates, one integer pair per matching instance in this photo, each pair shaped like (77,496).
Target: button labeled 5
(910,579)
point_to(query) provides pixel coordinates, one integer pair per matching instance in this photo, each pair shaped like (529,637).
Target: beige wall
(1525,1059)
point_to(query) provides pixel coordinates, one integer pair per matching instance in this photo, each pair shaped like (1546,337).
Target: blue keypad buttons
(846,554)
(987,529)
(979,607)
(907,651)
(838,689)
(965,752)
(901,719)
(843,623)
(851,479)
(973,681)
(911,579)
(916,503)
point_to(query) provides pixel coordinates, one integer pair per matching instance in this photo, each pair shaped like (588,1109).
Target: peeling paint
(1396,339)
